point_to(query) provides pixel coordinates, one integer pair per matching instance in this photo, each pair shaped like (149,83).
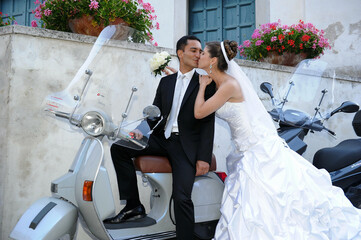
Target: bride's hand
(204,80)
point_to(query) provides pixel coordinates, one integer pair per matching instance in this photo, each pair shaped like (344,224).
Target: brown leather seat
(159,164)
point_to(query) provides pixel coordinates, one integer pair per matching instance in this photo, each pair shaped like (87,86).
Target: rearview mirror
(151,112)
(266,87)
(346,107)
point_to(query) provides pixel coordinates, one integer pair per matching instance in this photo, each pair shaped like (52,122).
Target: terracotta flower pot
(287,59)
(85,25)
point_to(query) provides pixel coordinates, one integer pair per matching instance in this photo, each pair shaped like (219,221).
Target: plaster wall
(5,61)
(340,21)
(342,24)
(34,151)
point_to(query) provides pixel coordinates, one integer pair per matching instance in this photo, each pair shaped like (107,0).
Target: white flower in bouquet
(158,62)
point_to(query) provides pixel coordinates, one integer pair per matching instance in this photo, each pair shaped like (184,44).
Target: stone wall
(35,62)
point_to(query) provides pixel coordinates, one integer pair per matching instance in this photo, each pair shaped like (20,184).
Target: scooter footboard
(47,219)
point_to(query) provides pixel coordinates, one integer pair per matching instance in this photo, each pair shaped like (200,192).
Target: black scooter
(294,124)
(343,161)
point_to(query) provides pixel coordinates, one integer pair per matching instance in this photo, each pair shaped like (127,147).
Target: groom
(186,141)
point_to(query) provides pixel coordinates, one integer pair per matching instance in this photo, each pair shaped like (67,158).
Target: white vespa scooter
(84,193)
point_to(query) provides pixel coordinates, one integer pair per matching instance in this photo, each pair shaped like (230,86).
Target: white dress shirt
(186,78)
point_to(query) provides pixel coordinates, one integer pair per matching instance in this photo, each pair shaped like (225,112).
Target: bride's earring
(210,69)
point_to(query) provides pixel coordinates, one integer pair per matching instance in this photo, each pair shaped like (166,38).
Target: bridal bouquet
(158,62)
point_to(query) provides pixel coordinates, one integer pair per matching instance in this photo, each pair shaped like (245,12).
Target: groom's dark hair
(183,41)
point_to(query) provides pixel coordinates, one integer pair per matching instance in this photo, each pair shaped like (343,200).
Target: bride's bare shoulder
(232,81)
(237,95)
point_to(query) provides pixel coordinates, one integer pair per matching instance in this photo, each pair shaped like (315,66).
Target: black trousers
(183,172)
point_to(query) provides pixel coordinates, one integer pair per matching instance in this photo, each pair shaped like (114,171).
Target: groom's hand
(202,167)
(169,70)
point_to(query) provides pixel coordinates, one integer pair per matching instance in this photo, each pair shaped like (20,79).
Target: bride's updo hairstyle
(214,49)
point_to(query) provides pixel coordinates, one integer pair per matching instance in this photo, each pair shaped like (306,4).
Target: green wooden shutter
(215,20)
(20,9)
(205,20)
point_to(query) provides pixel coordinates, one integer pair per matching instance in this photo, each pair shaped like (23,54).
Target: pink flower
(126,1)
(259,42)
(274,38)
(93,5)
(241,50)
(310,25)
(15,23)
(34,24)
(268,30)
(47,12)
(156,44)
(148,7)
(37,2)
(140,1)
(150,36)
(38,15)
(157,25)
(247,43)
(256,34)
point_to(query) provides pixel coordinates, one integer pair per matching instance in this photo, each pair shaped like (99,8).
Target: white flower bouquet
(158,62)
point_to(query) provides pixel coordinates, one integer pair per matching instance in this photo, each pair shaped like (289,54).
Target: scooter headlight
(93,123)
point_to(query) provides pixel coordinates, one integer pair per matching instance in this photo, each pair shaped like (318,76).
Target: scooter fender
(207,208)
(47,219)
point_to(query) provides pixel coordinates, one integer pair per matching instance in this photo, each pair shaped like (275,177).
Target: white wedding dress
(271,192)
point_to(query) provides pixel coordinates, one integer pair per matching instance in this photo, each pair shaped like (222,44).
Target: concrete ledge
(46,33)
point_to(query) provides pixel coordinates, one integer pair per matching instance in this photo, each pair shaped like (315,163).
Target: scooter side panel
(64,187)
(103,196)
(164,228)
(88,171)
(347,176)
(39,223)
(207,208)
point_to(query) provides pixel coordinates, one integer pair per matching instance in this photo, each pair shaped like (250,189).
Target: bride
(271,192)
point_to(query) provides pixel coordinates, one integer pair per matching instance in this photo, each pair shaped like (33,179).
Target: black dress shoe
(127,215)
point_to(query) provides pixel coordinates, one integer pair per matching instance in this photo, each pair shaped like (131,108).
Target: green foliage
(55,14)
(273,37)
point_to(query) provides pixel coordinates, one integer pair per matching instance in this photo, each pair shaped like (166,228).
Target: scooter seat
(160,164)
(342,155)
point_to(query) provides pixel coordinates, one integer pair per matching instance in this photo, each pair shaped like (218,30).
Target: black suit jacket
(196,135)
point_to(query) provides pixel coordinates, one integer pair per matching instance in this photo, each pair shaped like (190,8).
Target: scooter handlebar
(65,116)
(330,132)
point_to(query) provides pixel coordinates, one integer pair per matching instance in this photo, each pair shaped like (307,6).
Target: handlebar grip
(330,132)
(61,115)
(333,133)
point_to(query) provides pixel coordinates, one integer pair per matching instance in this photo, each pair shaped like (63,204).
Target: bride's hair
(214,49)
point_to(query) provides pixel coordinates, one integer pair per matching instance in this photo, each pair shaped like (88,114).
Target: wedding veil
(260,121)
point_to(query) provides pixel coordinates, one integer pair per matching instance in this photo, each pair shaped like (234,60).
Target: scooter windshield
(98,100)
(308,94)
